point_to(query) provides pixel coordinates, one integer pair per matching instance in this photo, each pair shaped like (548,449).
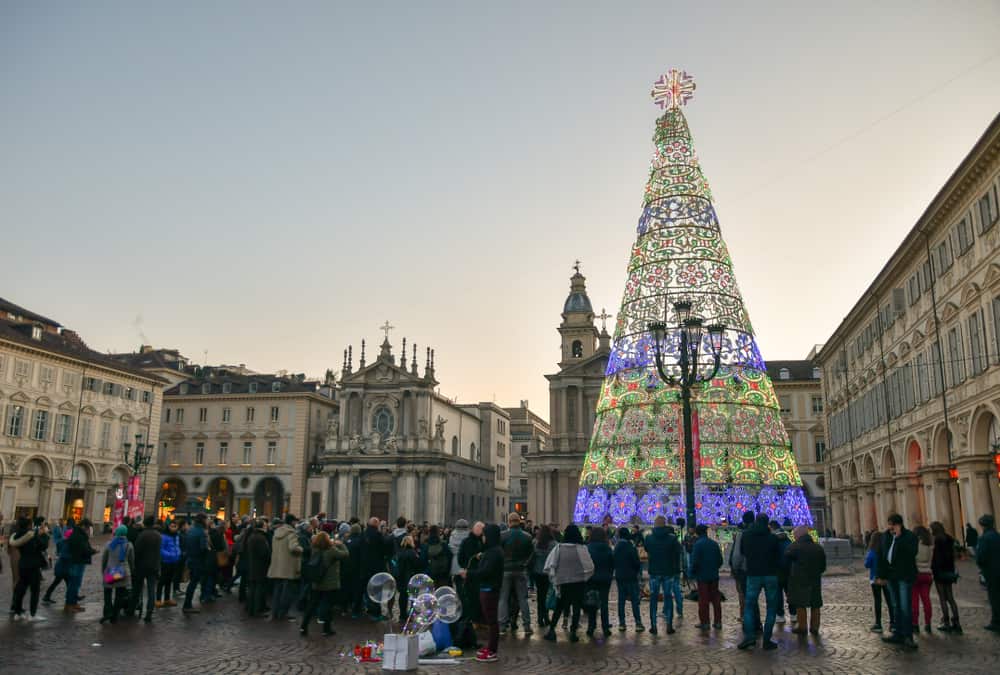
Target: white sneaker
(34,618)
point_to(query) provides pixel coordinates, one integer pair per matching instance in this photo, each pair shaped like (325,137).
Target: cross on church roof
(386,328)
(604,316)
(576,265)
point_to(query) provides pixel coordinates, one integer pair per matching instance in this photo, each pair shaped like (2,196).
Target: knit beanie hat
(121,531)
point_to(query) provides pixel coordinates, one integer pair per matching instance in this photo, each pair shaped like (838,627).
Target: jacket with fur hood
(286,554)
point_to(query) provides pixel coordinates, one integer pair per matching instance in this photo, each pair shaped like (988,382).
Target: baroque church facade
(553,469)
(398,447)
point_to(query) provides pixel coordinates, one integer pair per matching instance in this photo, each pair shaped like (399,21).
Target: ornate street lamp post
(689,331)
(139,459)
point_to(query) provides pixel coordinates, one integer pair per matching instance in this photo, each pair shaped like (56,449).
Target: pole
(686,372)
(688,454)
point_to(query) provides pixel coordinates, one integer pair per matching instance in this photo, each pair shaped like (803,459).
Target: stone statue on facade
(374,445)
(332,433)
(422,424)
(439,427)
(390,444)
(356,444)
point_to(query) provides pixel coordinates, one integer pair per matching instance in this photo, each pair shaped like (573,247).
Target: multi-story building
(494,430)
(400,448)
(68,412)
(554,469)
(243,443)
(168,364)
(912,374)
(800,396)
(529,434)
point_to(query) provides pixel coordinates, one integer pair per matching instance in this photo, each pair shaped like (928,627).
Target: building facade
(554,468)
(400,448)
(242,443)
(912,374)
(797,384)
(68,412)
(529,436)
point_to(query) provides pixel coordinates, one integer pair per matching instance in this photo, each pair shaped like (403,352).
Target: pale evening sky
(271,182)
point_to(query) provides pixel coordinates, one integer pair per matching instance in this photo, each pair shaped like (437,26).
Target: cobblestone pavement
(221,640)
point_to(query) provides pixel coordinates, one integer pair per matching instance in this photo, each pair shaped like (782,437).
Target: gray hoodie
(454,542)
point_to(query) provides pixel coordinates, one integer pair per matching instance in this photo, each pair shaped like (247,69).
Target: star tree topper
(673,89)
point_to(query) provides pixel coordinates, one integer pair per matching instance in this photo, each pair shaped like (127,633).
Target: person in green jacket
(322,593)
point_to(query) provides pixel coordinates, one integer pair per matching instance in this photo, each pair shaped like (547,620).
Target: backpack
(115,573)
(437,560)
(737,561)
(314,570)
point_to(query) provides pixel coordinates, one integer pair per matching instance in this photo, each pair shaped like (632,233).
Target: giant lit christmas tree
(634,468)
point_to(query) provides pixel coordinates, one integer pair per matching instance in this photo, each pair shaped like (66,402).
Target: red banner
(134,487)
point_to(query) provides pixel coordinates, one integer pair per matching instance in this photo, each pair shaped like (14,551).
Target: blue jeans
(73,584)
(628,591)
(669,585)
(900,592)
(754,585)
(678,595)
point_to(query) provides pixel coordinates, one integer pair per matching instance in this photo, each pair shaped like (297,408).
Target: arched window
(577,349)
(454,445)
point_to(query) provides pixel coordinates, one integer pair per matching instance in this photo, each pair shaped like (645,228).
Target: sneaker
(639,628)
(927,628)
(503,632)
(779,619)
(945,628)
(770,645)
(622,628)
(34,618)
(192,610)
(717,625)
(48,601)
(607,632)
(893,640)
(652,630)
(670,629)
(550,636)
(487,657)
(877,628)
(702,626)
(909,644)
(956,629)
(747,644)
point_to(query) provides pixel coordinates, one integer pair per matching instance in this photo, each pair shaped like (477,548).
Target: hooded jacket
(286,554)
(762,551)
(458,535)
(170,547)
(373,552)
(664,553)
(627,565)
(706,559)
(569,564)
(517,549)
(147,551)
(489,572)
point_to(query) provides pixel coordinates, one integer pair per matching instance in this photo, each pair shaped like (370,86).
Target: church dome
(578,300)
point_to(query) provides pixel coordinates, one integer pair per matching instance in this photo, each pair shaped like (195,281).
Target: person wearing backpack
(405,565)
(32,543)
(322,572)
(117,566)
(61,535)
(738,564)
(437,557)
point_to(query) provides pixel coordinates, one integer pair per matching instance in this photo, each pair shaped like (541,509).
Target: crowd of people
(319,567)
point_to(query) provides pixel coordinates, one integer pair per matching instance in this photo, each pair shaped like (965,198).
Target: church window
(383,421)
(454,445)
(472,452)
(577,349)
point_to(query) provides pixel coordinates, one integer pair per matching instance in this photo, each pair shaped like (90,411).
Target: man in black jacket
(896,568)
(518,548)
(988,559)
(664,562)
(762,552)
(373,561)
(147,567)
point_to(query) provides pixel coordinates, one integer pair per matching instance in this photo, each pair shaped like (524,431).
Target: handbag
(222,558)
(551,599)
(946,577)
(116,573)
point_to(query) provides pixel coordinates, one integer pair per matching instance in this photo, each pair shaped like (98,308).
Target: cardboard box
(400,652)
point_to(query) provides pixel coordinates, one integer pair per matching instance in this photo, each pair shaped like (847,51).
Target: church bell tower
(579,334)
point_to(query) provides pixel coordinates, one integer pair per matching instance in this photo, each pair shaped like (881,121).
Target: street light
(137,461)
(689,330)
